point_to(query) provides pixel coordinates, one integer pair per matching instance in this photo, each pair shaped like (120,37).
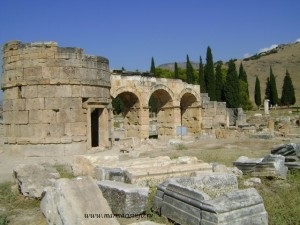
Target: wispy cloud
(267,49)
(246,55)
(298,40)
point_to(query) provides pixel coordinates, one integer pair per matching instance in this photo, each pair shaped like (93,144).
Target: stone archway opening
(190,117)
(161,114)
(129,109)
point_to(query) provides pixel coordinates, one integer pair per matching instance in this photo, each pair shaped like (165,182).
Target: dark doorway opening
(95,114)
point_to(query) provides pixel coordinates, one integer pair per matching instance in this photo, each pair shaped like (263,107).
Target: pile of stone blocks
(291,153)
(269,166)
(209,199)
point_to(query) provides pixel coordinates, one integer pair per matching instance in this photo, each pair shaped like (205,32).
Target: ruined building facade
(56,100)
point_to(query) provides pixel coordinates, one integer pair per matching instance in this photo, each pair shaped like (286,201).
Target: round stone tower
(56,101)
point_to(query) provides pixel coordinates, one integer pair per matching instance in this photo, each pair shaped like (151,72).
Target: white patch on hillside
(267,49)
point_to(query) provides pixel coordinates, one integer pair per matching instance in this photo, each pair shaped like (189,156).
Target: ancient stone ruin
(56,100)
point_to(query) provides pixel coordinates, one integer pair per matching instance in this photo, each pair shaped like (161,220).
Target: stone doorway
(99,128)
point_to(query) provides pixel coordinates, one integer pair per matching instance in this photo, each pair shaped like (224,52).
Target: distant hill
(283,57)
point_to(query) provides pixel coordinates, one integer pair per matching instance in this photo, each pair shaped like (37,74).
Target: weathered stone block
(20,117)
(33,178)
(65,203)
(53,103)
(42,116)
(35,103)
(78,129)
(11,93)
(238,207)
(47,91)
(69,103)
(29,91)
(124,198)
(32,73)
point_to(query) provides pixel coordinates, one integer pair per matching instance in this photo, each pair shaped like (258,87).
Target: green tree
(152,68)
(244,90)
(268,89)
(219,83)
(209,75)
(232,92)
(288,92)
(118,105)
(190,79)
(243,76)
(201,77)
(176,72)
(257,93)
(273,89)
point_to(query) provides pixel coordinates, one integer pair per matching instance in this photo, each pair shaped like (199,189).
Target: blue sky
(130,32)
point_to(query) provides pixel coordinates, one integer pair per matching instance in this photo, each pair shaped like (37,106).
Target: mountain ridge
(281,58)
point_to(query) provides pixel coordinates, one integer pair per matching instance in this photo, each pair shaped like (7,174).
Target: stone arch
(163,98)
(132,111)
(190,113)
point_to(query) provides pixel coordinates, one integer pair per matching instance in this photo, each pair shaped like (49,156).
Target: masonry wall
(48,92)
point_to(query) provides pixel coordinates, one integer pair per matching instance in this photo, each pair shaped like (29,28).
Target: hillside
(286,56)
(282,58)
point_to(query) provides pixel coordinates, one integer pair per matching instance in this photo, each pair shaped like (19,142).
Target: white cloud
(246,55)
(298,40)
(267,49)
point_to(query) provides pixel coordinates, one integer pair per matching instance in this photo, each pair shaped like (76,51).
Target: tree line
(227,84)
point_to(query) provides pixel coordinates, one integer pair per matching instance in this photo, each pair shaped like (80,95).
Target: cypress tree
(257,93)
(243,77)
(209,75)
(152,68)
(232,93)
(176,72)
(273,89)
(201,77)
(219,84)
(268,89)
(288,92)
(189,71)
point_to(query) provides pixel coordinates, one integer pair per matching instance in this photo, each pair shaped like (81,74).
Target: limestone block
(47,91)
(63,91)
(207,122)
(246,164)
(69,103)
(33,178)
(76,90)
(65,203)
(106,173)
(124,198)
(56,130)
(35,103)
(29,91)
(19,104)
(238,207)
(11,93)
(155,175)
(71,116)
(51,72)
(40,130)
(20,117)
(53,103)
(33,73)
(77,129)
(42,116)
(271,166)
(8,105)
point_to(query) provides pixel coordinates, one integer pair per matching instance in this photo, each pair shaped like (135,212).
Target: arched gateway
(177,104)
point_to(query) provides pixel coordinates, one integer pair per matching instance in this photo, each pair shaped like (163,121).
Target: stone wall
(49,95)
